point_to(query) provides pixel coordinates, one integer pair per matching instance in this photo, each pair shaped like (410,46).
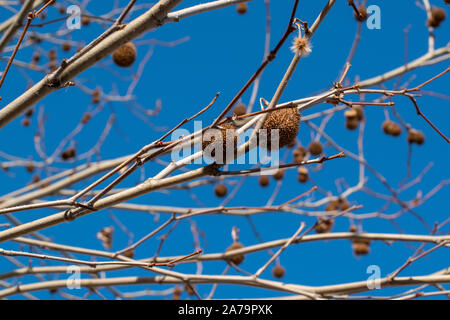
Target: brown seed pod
(240,110)
(86,117)
(391,128)
(36,178)
(361,246)
(125,55)
(30,167)
(352,228)
(299,154)
(302,174)
(66,46)
(221,190)
(279,174)
(363,15)
(315,148)
(242,8)
(333,205)
(351,124)
(68,154)
(105,235)
(278,272)
(437,16)
(237,260)
(359,111)
(416,136)
(229,139)
(26,122)
(29,113)
(343,204)
(286,121)
(351,114)
(96,96)
(263,181)
(85,20)
(324,225)
(52,55)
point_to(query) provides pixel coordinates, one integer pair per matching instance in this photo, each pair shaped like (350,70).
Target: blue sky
(222,52)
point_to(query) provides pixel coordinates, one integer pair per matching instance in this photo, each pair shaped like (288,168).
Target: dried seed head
(363,15)
(391,128)
(85,20)
(315,148)
(279,174)
(333,205)
(26,122)
(286,121)
(302,174)
(242,8)
(96,96)
(240,110)
(416,136)
(324,225)
(52,55)
(352,228)
(30,167)
(229,139)
(66,46)
(301,46)
(62,10)
(343,204)
(29,113)
(68,154)
(237,260)
(36,178)
(177,291)
(437,16)
(299,154)
(86,117)
(351,124)
(359,111)
(263,181)
(351,114)
(361,246)
(105,235)
(278,272)
(125,55)
(221,190)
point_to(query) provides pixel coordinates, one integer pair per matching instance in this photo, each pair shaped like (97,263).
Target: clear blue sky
(222,52)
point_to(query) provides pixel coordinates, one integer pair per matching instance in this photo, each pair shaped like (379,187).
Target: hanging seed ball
(29,113)
(188,289)
(237,260)
(177,291)
(263,181)
(68,154)
(286,121)
(351,124)
(303,174)
(86,117)
(36,178)
(26,122)
(30,168)
(299,154)
(240,110)
(315,148)
(352,228)
(278,272)
(221,190)
(85,20)
(333,205)
(324,225)
(229,138)
(125,55)
(359,111)
(416,136)
(52,55)
(279,175)
(96,96)
(437,16)
(343,204)
(361,246)
(363,15)
(242,8)
(62,10)
(351,114)
(391,128)
(66,46)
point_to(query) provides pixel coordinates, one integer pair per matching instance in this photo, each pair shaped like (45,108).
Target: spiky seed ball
(125,55)
(391,128)
(68,154)
(416,136)
(242,8)
(315,148)
(177,291)
(279,174)
(361,246)
(299,154)
(62,10)
(301,46)
(278,272)
(221,190)
(240,110)
(286,121)
(343,204)
(324,225)
(359,111)
(86,117)
(237,260)
(30,167)
(351,124)
(66,46)
(437,16)
(303,174)
(85,20)
(229,138)
(363,15)
(263,181)
(36,178)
